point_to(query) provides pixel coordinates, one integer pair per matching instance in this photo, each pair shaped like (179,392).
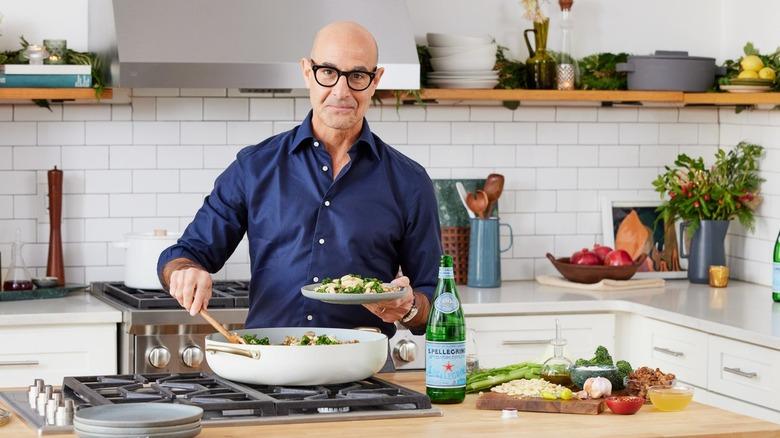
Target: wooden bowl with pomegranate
(594,273)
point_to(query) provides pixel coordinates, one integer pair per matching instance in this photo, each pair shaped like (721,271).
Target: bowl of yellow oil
(670,398)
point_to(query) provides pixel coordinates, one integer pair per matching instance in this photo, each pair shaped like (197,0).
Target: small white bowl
(449,40)
(440,52)
(462,63)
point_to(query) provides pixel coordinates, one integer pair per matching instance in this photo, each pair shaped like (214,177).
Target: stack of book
(45,76)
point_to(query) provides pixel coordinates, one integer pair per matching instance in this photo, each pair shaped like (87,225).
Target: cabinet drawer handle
(12,363)
(527,342)
(669,352)
(739,372)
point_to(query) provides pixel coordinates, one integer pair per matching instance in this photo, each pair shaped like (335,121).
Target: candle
(36,54)
(719,276)
(57,50)
(565,76)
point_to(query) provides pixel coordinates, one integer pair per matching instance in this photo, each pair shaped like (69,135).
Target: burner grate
(225,294)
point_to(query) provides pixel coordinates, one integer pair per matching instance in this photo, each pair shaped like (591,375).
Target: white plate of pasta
(352,289)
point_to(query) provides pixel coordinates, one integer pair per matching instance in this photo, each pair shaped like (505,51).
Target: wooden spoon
(233,338)
(494,185)
(478,202)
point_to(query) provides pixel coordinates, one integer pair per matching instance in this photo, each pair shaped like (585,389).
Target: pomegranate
(618,257)
(601,251)
(585,257)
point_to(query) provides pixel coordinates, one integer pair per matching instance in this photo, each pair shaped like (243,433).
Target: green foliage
(254,340)
(598,72)
(511,74)
(600,357)
(624,368)
(727,190)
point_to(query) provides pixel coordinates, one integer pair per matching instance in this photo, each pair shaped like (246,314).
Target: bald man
(325,199)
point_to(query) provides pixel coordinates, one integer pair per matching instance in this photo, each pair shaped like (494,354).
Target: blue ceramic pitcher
(485,252)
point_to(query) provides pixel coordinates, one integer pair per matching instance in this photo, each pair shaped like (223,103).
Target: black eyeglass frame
(315,67)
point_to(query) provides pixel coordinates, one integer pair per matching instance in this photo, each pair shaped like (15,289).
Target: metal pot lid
(671,54)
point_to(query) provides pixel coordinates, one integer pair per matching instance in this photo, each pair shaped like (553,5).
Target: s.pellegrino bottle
(775,271)
(445,341)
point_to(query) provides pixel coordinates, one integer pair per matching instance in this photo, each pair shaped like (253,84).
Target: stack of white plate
(462,61)
(152,420)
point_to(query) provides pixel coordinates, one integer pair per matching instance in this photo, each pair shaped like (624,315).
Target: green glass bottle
(445,341)
(776,271)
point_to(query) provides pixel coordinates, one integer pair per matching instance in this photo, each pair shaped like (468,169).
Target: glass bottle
(17,277)
(776,271)
(445,341)
(557,369)
(567,72)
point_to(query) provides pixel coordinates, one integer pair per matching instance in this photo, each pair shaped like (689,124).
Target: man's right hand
(191,286)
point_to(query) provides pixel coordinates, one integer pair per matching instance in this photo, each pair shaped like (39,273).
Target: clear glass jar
(567,72)
(17,277)
(557,369)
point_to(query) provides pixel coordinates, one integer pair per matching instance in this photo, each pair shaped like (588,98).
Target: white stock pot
(142,252)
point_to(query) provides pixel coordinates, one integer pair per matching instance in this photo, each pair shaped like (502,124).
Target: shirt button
(309,317)
(316,144)
(327,203)
(322,241)
(316,279)
(324,168)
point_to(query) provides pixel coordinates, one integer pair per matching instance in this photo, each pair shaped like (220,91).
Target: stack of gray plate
(153,420)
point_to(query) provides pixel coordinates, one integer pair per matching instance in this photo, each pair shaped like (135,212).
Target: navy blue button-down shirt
(302,225)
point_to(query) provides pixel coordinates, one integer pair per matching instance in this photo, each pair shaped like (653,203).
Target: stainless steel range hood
(237,43)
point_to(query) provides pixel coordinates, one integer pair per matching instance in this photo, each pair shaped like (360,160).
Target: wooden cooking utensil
(494,185)
(478,203)
(231,337)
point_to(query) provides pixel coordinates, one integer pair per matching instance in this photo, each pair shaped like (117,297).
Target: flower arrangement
(533,10)
(728,189)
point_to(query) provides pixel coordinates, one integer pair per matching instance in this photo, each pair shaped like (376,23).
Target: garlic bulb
(598,387)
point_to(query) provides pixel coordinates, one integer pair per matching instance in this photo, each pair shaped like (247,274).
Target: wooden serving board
(498,401)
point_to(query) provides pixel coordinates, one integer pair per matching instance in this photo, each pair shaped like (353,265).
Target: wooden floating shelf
(53,93)
(612,96)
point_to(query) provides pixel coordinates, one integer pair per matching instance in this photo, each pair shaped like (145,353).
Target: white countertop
(742,311)
(75,308)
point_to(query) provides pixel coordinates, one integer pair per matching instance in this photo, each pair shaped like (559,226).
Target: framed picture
(632,225)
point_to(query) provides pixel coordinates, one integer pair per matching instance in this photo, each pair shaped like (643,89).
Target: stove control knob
(192,356)
(159,357)
(405,350)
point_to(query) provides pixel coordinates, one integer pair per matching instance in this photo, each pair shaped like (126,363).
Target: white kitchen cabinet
(502,340)
(52,352)
(744,371)
(673,349)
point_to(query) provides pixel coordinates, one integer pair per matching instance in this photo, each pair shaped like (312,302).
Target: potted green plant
(707,199)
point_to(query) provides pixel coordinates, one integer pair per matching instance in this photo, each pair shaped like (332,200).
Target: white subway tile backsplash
(225,109)
(429,132)
(148,224)
(638,133)
(534,114)
(390,132)
(107,229)
(28,206)
(203,92)
(578,156)
(678,133)
(577,200)
(493,113)
(156,133)
(556,133)
(618,114)
(556,178)
(248,133)
(18,133)
(302,107)
(518,178)
(104,273)
(145,92)
(404,113)
(618,156)
(35,254)
(6,206)
(84,206)
(73,181)
(72,112)
(521,223)
(493,156)
(41,157)
(36,113)
(659,156)
(515,133)
(179,157)
(109,133)
(84,157)
(536,156)
(60,133)
(108,181)
(565,246)
(419,153)
(178,204)
(695,151)
(556,223)
(144,108)
(203,132)
(271,109)
(17,182)
(6,158)
(598,133)
(698,115)
(6,113)
(133,205)
(219,157)
(72,231)
(517,269)
(709,134)
(472,132)
(597,178)
(198,181)
(452,156)
(121,113)
(534,201)
(84,254)
(637,178)
(133,157)
(589,223)
(532,246)
(116,256)
(576,114)
(155,181)
(447,113)
(658,115)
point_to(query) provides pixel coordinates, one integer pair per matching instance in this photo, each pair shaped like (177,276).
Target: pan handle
(252,354)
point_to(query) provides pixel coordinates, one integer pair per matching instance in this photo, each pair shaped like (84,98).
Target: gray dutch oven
(298,364)
(670,71)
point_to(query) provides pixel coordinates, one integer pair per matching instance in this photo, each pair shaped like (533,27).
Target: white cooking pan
(297,365)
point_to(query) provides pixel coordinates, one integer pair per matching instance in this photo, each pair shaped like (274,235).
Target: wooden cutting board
(498,401)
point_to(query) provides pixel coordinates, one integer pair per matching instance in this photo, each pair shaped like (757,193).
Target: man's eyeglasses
(327,76)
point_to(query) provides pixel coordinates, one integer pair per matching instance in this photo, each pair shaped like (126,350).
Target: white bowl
(462,63)
(439,52)
(449,40)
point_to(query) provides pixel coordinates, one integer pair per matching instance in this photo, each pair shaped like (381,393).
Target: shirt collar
(305,132)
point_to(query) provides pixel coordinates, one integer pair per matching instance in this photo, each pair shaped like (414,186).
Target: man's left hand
(394,310)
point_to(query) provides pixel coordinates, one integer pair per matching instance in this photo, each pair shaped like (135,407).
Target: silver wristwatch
(411,313)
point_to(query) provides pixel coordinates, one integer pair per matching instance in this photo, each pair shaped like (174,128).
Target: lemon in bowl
(747,74)
(767,73)
(751,63)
